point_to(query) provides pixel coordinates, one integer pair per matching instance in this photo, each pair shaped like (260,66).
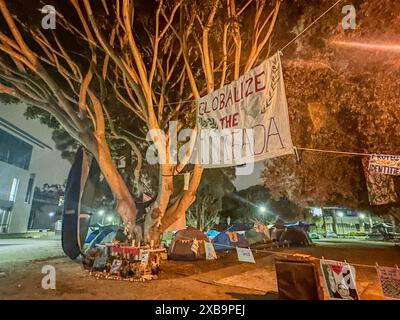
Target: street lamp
(361,216)
(51,215)
(262,209)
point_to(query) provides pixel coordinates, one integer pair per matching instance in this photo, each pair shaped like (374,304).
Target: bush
(356,234)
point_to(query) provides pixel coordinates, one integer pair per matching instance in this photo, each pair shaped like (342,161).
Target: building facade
(26,160)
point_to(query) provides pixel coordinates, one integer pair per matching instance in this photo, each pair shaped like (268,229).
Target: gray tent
(296,237)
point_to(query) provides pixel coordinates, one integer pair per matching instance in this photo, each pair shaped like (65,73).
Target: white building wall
(46,163)
(21,210)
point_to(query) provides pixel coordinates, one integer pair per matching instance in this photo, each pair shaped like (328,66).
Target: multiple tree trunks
(122,83)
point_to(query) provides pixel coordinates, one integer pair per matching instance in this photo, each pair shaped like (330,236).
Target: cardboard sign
(390,281)
(210,251)
(340,280)
(116,265)
(245,255)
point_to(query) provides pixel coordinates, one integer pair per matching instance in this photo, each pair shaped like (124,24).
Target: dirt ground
(225,278)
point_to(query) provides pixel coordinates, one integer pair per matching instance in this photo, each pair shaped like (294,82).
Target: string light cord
(348,153)
(286,254)
(310,25)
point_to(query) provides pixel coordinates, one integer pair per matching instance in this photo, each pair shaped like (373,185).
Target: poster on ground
(245,255)
(250,115)
(390,281)
(210,251)
(340,280)
(116,265)
(384,164)
(381,188)
(144,258)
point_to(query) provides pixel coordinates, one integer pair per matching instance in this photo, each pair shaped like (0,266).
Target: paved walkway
(14,251)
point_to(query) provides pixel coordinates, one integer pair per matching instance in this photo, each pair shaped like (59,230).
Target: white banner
(385,164)
(247,120)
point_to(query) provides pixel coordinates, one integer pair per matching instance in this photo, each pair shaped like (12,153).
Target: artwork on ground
(144,259)
(340,280)
(116,265)
(390,281)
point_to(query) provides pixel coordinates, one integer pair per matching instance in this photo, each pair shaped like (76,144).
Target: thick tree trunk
(126,207)
(179,208)
(152,223)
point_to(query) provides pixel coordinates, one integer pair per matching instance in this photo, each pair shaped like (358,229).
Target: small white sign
(144,258)
(116,265)
(210,251)
(245,255)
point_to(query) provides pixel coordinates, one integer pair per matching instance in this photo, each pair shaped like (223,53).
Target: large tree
(122,70)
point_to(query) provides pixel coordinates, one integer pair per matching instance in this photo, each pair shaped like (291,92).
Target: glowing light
(368,46)
(316,212)
(262,209)
(362,216)
(340,214)
(109,219)
(100,212)
(51,214)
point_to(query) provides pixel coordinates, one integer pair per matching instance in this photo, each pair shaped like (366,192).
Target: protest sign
(390,281)
(340,280)
(384,164)
(247,120)
(245,255)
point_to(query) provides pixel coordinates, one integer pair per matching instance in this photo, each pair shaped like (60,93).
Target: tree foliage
(343,95)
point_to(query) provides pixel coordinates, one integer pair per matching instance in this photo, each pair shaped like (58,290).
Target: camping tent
(104,234)
(183,243)
(296,237)
(258,234)
(212,233)
(240,227)
(227,240)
